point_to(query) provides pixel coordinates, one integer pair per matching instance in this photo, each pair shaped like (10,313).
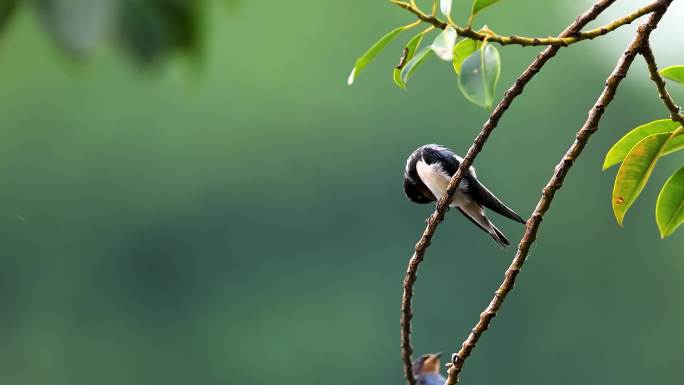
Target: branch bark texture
(590,126)
(438,215)
(674,109)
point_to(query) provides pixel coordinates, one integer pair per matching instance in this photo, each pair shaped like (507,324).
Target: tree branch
(530,41)
(674,109)
(590,126)
(438,215)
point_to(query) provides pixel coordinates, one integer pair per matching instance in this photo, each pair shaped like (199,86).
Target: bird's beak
(438,355)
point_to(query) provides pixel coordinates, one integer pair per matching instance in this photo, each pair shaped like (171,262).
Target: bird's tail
(477,216)
(498,236)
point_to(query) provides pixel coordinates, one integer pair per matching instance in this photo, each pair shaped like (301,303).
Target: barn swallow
(426,370)
(428,172)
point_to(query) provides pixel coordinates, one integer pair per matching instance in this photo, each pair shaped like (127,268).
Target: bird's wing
(483,196)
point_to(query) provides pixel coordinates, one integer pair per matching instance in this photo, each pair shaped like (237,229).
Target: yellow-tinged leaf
(620,149)
(635,171)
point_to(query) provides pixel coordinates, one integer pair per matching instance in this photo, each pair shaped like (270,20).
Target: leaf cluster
(148,31)
(476,64)
(637,153)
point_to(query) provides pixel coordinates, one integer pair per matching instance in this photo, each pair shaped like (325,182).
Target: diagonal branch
(530,41)
(556,181)
(674,109)
(438,215)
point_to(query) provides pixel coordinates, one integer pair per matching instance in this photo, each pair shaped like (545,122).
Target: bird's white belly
(437,180)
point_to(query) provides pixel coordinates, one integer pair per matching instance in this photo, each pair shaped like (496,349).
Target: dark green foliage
(7,8)
(146,30)
(152,29)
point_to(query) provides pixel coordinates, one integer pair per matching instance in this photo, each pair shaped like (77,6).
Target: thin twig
(530,41)
(560,172)
(674,109)
(438,215)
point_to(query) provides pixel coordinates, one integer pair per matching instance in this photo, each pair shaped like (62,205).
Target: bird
(426,370)
(426,177)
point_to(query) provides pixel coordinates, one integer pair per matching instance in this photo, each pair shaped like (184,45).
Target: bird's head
(427,363)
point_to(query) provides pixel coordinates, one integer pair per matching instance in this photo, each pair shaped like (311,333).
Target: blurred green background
(238,218)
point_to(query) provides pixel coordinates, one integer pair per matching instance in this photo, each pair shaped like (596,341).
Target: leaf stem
(674,109)
(411,25)
(531,41)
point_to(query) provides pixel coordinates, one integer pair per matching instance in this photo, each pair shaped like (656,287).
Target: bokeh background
(233,213)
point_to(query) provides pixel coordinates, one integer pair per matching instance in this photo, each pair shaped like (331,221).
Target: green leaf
(413,64)
(443,46)
(479,5)
(670,204)
(480,75)
(76,25)
(462,50)
(445,7)
(620,149)
(409,52)
(372,52)
(634,172)
(675,73)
